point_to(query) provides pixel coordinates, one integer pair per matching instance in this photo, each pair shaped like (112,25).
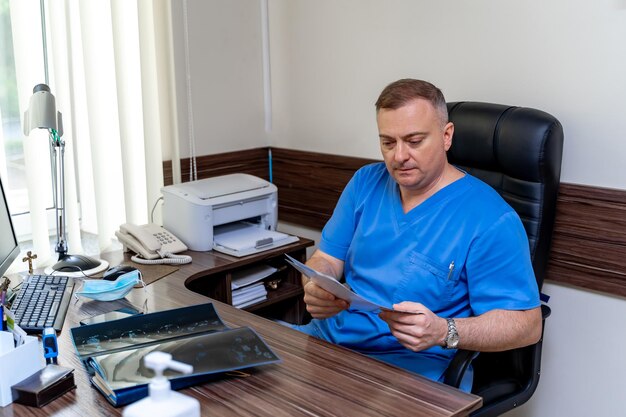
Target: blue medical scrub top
(461,253)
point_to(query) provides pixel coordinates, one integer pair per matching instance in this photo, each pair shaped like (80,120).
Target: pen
(450,270)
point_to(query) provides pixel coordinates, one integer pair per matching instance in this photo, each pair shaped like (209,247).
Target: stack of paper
(247,287)
(249,295)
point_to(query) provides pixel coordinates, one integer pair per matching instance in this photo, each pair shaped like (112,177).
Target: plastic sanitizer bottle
(162,401)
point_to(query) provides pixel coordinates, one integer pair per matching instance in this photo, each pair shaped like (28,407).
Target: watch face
(453,341)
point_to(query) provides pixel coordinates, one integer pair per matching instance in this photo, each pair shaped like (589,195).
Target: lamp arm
(57,156)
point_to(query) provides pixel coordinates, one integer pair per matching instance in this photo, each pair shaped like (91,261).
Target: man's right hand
(320,303)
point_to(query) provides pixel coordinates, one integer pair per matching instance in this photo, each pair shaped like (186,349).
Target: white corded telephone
(152,244)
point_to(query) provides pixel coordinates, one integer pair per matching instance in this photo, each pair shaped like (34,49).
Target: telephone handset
(152,244)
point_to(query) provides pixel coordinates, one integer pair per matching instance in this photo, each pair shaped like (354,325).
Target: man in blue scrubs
(417,233)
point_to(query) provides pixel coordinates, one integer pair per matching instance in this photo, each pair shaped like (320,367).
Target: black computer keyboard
(42,301)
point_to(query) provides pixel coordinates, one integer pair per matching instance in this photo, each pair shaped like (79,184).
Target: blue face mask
(103,290)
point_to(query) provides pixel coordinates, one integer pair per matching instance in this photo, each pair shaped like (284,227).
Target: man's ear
(448,132)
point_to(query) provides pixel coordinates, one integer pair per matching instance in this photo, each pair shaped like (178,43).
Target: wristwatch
(452,338)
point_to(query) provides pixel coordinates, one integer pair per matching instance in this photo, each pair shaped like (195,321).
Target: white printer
(235,214)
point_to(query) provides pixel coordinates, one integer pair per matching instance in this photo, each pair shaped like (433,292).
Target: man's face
(414,144)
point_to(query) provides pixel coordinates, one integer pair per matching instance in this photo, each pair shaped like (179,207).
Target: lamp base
(77,266)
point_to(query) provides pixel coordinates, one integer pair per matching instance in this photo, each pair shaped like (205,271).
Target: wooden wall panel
(309,184)
(589,240)
(167,173)
(249,161)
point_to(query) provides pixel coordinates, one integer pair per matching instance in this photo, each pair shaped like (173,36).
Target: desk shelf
(284,303)
(286,291)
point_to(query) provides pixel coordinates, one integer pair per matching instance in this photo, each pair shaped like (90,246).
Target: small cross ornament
(29,257)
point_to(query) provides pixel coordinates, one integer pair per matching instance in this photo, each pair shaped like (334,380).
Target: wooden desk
(315,378)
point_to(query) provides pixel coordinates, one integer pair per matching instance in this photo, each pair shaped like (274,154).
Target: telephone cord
(166,258)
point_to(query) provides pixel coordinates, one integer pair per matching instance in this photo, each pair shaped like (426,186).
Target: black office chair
(518,152)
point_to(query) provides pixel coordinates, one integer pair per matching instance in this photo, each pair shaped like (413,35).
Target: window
(11,152)
(100,78)
(12,166)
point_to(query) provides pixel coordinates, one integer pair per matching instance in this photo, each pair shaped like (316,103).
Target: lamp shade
(42,111)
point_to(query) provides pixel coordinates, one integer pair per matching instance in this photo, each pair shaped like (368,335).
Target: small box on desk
(43,386)
(17,365)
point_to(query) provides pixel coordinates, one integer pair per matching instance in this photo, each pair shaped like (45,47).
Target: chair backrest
(518,152)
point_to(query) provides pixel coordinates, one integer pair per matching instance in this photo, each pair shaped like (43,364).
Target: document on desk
(113,352)
(244,277)
(339,290)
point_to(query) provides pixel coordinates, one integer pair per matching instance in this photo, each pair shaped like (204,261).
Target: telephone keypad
(164,238)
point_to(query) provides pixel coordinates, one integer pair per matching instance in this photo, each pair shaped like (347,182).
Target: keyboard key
(54,309)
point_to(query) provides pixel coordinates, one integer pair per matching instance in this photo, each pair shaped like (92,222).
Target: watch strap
(452,338)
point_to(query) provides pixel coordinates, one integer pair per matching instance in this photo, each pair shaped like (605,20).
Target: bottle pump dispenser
(162,401)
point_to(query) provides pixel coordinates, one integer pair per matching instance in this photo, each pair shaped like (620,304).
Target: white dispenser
(162,401)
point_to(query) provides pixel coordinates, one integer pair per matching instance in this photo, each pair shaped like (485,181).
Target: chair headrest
(514,141)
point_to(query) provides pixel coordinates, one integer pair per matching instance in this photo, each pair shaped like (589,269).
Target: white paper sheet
(247,276)
(256,293)
(336,288)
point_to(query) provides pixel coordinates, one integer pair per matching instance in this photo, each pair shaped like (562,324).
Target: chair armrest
(463,358)
(457,367)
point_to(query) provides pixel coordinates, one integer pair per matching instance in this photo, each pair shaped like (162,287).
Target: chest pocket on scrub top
(426,281)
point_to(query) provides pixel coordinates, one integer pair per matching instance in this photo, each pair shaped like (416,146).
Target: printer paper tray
(242,238)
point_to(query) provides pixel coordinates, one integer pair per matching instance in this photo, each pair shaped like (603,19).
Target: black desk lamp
(42,114)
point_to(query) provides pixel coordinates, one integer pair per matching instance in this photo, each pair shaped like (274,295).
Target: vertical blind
(110,69)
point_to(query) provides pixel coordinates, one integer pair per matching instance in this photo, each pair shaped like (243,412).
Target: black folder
(113,352)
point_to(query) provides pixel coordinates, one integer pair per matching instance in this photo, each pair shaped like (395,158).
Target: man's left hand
(418,330)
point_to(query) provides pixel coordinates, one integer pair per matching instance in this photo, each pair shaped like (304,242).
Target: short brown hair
(399,93)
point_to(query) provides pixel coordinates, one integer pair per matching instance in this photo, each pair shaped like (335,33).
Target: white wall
(331,58)
(225,68)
